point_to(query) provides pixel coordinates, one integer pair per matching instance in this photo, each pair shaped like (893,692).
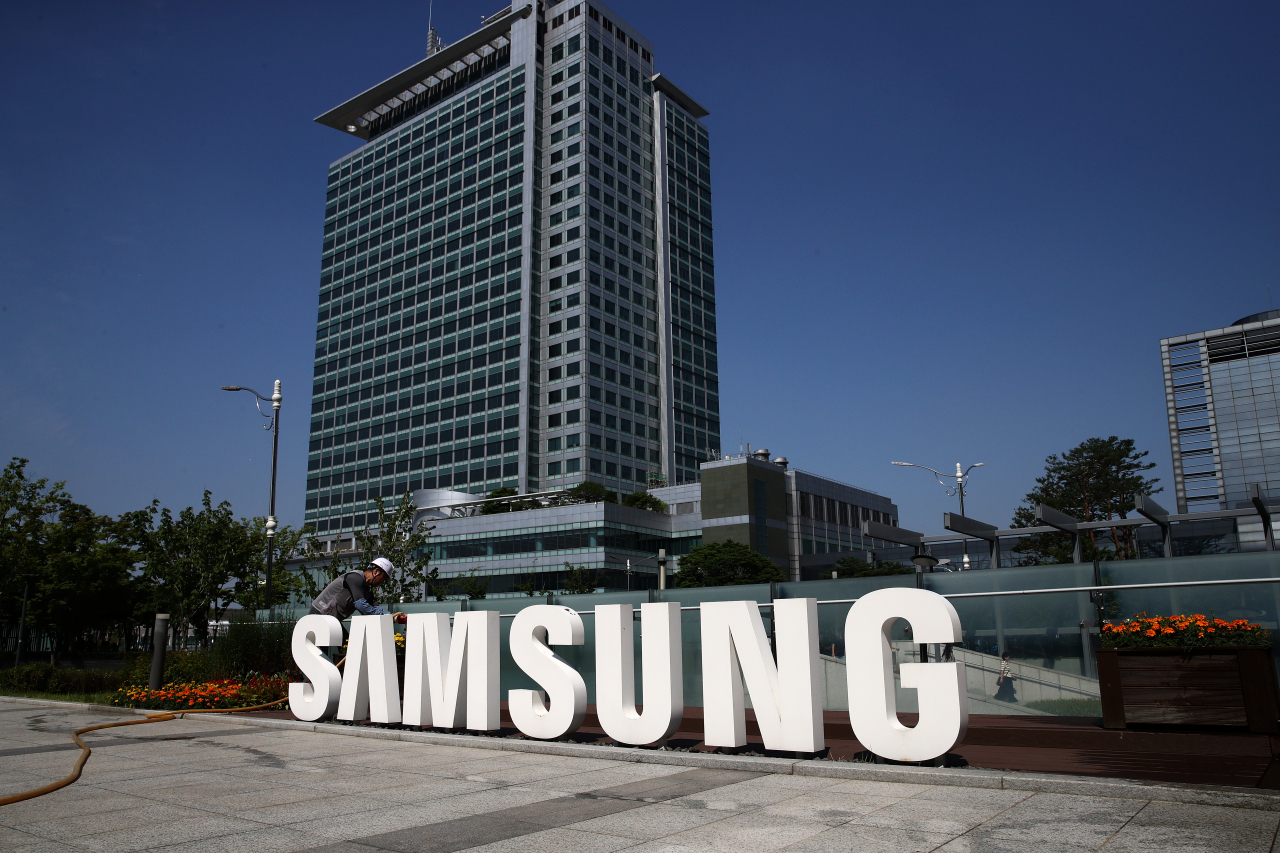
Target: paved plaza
(204,785)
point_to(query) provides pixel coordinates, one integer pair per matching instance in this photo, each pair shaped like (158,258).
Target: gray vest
(335,599)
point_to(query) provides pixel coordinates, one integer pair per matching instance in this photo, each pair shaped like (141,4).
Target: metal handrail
(993,593)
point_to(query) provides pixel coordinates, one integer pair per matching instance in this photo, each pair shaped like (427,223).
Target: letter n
(786,696)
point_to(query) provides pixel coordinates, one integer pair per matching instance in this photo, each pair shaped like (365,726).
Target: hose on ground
(161,717)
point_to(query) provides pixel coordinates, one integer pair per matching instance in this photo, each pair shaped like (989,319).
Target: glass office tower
(517,286)
(1224,421)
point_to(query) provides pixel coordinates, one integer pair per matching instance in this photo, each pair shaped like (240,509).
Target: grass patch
(1068,707)
(90,698)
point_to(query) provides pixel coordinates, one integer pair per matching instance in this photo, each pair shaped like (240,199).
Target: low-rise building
(804,522)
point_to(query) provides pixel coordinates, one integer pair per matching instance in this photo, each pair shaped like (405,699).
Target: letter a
(370,682)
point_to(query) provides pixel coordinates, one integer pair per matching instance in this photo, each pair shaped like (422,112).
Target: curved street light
(961,483)
(274,425)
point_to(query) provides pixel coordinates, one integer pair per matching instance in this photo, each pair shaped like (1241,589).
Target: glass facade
(1224,421)
(495,305)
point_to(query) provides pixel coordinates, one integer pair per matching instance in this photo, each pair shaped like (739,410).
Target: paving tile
(68,829)
(423,789)
(374,821)
(294,812)
(748,833)
(737,797)
(495,799)
(1044,826)
(451,836)
(972,796)
(268,840)
(10,838)
(1073,803)
(563,811)
(852,838)
(829,808)
(1163,838)
(945,818)
(986,844)
(68,802)
(901,790)
(164,834)
(558,840)
(46,847)
(650,821)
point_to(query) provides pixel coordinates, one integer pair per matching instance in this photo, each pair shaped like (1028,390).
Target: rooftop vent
(780,461)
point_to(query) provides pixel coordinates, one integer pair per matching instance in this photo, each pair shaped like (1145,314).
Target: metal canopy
(387,94)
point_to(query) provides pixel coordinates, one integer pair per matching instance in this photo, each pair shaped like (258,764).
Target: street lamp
(962,481)
(273,425)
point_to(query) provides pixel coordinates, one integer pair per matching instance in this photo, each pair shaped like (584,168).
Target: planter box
(1227,686)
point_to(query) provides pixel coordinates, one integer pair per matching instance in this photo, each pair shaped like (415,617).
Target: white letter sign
(318,699)
(370,680)
(443,672)
(787,696)
(532,631)
(615,672)
(943,700)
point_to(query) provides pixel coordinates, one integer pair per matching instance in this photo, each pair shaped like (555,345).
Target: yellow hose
(86,752)
(151,718)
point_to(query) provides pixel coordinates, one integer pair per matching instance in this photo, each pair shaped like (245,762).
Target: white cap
(386,565)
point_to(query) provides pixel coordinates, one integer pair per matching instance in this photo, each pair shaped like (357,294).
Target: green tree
(580,580)
(195,560)
(394,537)
(644,500)
(503,492)
(250,590)
(474,587)
(531,587)
(725,563)
(852,567)
(588,492)
(1097,480)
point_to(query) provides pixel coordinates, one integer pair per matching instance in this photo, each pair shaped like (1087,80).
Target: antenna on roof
(434,44)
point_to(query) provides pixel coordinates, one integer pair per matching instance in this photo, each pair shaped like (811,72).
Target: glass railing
(1050,638)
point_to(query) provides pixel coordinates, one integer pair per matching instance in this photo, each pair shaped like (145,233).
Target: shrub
(46,678)
(1182,632)
(179,666)
(644,500)
(253,646)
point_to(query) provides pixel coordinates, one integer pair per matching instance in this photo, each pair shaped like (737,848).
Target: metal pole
(158,643)
(662,568)
(628,575)
(964,540)
(17,652)
(276,397)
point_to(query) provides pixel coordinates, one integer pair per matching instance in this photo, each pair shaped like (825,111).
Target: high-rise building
(1224,420)
(517,286)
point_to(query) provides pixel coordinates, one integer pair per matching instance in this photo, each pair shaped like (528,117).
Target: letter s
(318,699)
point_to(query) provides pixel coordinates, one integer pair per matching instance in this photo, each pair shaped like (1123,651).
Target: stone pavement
(207,786)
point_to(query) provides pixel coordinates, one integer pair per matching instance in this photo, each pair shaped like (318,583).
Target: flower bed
(222,693)
(1182,632)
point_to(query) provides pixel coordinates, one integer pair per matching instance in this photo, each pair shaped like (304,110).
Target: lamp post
(962,481)
(274,426)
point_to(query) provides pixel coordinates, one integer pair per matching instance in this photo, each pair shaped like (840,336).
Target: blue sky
(944,232)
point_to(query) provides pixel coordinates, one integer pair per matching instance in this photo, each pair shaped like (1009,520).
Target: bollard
(158,644)
(662,568)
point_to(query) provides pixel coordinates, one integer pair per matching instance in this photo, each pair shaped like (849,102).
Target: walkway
(208,786)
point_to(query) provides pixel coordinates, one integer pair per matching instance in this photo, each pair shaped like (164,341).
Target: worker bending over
(350,592)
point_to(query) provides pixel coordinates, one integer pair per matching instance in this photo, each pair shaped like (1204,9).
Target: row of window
(838,512)
(456,109)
